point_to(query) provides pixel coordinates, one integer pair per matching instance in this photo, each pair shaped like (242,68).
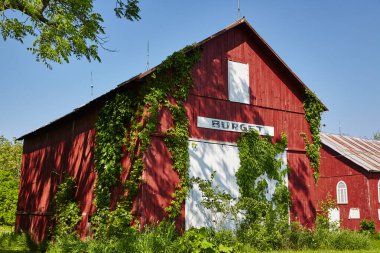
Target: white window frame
(238,83)
(341,193)
(378,192)
(354,213)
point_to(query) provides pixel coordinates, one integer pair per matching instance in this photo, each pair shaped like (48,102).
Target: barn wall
(361,187)
(374,198)
(159,183)
(47,158)
(302,189)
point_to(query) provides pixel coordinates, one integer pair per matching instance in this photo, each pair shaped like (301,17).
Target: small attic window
(238,82)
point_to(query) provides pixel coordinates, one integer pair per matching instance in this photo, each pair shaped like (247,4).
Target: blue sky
(332,45)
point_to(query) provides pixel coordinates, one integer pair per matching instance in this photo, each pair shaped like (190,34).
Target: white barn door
(206,157)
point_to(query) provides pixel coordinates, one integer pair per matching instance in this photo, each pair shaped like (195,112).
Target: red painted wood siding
(361,187)
(46,159)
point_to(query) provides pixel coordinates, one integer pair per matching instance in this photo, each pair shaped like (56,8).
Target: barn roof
(363,152)
(243,23)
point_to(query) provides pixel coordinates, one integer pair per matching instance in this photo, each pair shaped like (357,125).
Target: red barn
(239,83)
(350,173)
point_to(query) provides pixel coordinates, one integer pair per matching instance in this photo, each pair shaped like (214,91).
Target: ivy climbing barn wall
(66,146)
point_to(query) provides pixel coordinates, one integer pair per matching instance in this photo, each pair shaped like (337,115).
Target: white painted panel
(238,82)
(334,216)
(206,157)
(378,213)
(354,213)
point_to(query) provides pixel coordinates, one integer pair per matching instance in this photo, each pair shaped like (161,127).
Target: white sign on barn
(233,126)
(223,158)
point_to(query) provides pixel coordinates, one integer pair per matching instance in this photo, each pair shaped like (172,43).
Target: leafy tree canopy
(376,136)
(61,28)
(10,155)
(10,160)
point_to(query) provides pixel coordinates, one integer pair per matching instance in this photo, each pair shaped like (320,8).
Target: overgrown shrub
(205,240)
(349,240)
(265,223)
(367,226)
(160,238)
(321,238)
(67,213)
(164,238)
(300,237)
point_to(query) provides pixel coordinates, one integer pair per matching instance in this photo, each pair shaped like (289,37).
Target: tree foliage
(376,136)
(61,28)
(10,160)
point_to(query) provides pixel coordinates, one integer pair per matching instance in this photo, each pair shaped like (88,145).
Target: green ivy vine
(259,156)
(67,214)
(313,110)
(265,221)
(130,119)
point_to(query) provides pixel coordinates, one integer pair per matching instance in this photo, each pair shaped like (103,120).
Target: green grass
(6,229)
(374,248)
(11,242)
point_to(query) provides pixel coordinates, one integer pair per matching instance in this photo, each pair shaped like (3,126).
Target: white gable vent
(238,82)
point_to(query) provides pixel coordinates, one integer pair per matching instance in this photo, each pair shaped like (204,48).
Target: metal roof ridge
(365,157)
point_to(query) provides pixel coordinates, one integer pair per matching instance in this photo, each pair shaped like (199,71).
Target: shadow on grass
(17,242)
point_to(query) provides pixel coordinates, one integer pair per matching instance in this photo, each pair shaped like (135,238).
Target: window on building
(238,82)
(354,213)
(341,192)
(378,191)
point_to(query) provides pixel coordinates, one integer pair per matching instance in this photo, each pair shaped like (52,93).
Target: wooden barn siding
(276,101)
(361,187)
(46,158)
(374,198)
(270,87)
(159,183)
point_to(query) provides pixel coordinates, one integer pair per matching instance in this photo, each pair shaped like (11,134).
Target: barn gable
(232,43)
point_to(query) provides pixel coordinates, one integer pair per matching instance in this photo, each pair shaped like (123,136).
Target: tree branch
(44,5)
(31,11)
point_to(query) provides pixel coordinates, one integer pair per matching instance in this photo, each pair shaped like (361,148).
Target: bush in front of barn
(301,238)
(161,238)
(368,226)
(164,238)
